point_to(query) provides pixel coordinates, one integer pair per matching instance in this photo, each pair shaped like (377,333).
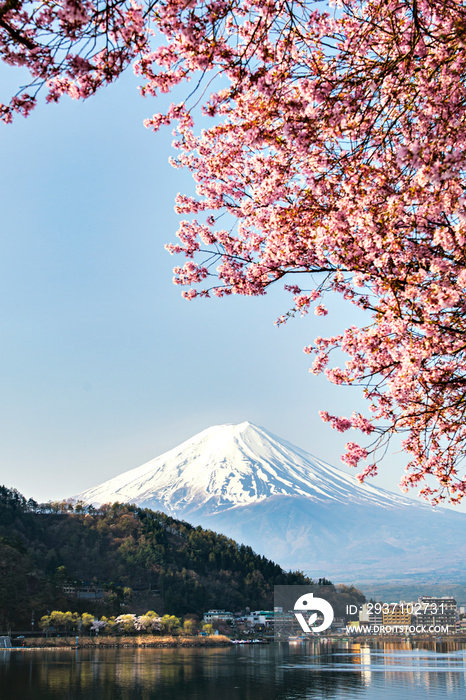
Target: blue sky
(103,364)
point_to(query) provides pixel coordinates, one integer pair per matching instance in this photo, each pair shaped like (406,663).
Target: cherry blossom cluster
(71,47)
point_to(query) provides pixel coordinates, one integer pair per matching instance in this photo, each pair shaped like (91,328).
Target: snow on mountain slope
(227,466)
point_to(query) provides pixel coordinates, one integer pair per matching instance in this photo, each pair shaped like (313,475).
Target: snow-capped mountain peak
(227,466)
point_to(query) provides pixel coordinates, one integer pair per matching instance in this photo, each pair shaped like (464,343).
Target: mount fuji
(294,508)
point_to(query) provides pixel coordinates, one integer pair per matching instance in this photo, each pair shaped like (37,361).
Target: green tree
(86,621)
(189,627)
(171,624)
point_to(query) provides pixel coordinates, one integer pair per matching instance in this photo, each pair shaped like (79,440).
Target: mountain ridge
(139,559)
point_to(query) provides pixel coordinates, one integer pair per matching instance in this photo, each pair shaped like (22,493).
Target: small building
(338,624)
(396,614)
(83,592)
(264,618)
(218,616)
(370,615)
(461,626)
(434,611)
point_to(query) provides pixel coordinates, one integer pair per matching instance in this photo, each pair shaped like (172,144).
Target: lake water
(381,671)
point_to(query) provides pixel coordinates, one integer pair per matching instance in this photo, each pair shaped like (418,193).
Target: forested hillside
(137,559)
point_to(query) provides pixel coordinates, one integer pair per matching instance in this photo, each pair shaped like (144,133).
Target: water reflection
(398,669)
(275,672)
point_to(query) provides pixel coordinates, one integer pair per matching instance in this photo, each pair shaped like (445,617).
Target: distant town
(428,615)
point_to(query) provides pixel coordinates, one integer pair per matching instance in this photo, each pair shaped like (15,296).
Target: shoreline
(213,641)
(148,641)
